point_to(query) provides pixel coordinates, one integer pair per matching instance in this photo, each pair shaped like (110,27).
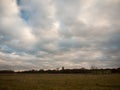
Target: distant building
(63,68)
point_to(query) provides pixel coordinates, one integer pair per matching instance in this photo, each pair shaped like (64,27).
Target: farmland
(59,82)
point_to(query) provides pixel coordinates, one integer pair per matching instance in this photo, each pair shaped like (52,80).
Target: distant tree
(6,71)
(93,67)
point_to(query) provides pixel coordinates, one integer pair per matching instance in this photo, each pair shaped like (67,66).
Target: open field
(59,82)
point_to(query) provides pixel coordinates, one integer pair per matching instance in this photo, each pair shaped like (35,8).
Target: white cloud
(54,33)
(14,30)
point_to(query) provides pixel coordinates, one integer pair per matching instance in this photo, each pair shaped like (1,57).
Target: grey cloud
(54,33)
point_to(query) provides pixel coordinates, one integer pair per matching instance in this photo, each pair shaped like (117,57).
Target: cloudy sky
(42,34)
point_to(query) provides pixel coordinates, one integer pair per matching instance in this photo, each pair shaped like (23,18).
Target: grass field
(59,82)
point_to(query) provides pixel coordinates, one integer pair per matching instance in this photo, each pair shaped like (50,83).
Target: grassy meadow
(59,82)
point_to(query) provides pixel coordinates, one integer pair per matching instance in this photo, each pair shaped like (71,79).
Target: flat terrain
(59,82)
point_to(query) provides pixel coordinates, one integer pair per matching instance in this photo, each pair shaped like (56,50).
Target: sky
(49,34)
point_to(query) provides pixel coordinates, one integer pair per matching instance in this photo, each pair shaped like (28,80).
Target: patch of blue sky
(25,15)
(6,49)
(18,2)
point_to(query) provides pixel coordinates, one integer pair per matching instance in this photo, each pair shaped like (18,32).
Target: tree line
(68,71)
